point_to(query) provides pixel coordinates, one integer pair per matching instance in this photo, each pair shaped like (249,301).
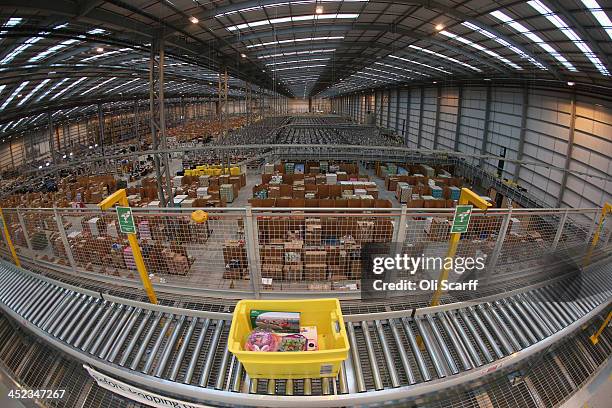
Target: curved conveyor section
(182,353)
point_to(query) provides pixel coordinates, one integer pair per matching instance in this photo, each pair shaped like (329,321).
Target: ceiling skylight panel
(287,54)
(388,73)
(105,54)
(272,21)
(11,22)
(600,15)
(52,50)
(66,89)
(285,3)
(401,69)
(419,63)
(437,54)
(480,48)
(93,88)
(297,61)
(534,38)
(569,33)
(299,67)
(122,85)
(27,44)
(33,91)
(504,43)
(53,88)
(294,40)
(14,94)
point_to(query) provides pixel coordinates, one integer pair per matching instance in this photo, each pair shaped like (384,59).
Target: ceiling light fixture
(243,55)
(99,49)
(571,83)
(319,10)
(439,27)
(194,20)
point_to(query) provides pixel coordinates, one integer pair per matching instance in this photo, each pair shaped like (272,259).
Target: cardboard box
(316,272)
(293,272)
(315,257)
(273,271)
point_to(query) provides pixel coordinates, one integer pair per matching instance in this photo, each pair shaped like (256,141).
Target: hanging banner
(137,394)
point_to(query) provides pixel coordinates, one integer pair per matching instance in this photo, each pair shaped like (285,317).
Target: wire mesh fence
(248,251)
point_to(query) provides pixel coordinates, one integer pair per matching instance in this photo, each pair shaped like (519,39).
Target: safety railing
(252,252)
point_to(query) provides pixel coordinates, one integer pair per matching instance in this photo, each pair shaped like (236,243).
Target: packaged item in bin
(283,322)
(291,342)
(310,333)
(261,340)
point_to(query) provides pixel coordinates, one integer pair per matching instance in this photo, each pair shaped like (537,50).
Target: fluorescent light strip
(28,96)
(48,91)
(420,63)
(506,19)
(14,94)
(294,40)
(299,67)
(63,91)
(98,86)
(292,19)
(481,48)
(401,69)
(569,33)
(2,88)
(504,43)
(600,15)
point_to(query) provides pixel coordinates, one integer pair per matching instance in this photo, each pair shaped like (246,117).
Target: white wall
(548,126)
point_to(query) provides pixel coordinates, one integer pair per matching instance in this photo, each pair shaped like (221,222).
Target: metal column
(519,154)
(458,120)
(570,148)
(101,127)
(419,135)
(485,133)
(158,117)
(437,123)
(51,142)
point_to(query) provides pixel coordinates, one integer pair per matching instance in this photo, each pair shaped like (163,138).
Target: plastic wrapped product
(261,340)
(291,342)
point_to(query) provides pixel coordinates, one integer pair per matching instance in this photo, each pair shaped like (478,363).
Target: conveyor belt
(183,352)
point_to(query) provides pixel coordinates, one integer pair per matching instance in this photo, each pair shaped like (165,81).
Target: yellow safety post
(120,197)
(607,208)
(9,241)
(467,197)
(595,337)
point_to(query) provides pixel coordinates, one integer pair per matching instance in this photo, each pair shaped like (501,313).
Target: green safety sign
(126,220)
(461,219)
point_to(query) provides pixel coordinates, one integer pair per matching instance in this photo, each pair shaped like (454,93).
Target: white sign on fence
(137,394)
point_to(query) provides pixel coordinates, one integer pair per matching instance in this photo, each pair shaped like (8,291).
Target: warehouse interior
(171,171)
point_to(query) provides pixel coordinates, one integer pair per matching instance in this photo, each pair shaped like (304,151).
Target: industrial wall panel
(448,118)
(404,109)
(414,113)
(393,104)
(430,102)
